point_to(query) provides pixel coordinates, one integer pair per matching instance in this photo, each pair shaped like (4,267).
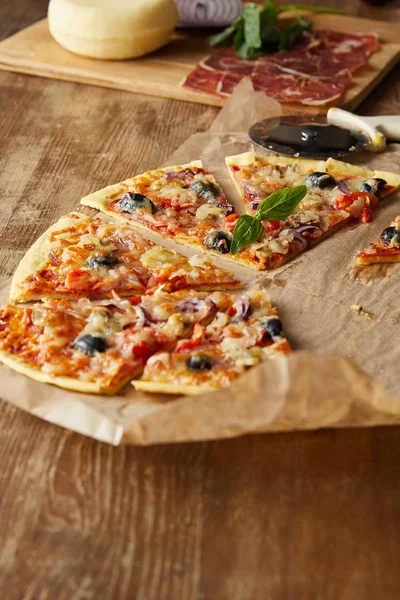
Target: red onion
(197,309)
(243,309)
(254,204)
(299,238)
(141,316)
(228,208)
(208,13)
(311,229)
(343,185)
(54,259)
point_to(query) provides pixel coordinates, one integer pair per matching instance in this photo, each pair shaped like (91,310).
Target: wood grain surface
(310,516)
(33,51)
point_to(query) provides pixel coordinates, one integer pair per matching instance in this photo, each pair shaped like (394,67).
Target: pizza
(80,256)
(185,204)
(98,347)
(337,193)
(218,352)
(386,249)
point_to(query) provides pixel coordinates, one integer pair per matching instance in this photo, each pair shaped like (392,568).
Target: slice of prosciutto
(315,71)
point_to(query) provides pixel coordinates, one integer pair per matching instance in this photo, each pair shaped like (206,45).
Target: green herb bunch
(257,32)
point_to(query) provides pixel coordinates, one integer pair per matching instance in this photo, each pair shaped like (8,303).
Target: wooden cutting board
(33,51)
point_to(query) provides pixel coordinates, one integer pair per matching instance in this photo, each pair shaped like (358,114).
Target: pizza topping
(391,236)
(133,202)
(273,326)
(204,189)
(210,211)
(89,344)
(388,234)
(198,362)
(108,259)
(219,240)
(372,185)
(240,310)
(355,203)
(196,309)
(320,180)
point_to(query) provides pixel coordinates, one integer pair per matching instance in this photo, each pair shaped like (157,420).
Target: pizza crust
(68,383)
(36,257)
(249,158)
(171,388)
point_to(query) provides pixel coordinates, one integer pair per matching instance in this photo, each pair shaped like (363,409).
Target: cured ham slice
(315,71)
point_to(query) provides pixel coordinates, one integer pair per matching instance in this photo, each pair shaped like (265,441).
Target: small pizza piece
(237,338)
(80,346)
(84,257)
(386,249)
(337,193)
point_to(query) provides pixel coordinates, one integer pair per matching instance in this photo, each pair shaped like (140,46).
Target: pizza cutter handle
(348,120)
(389,125)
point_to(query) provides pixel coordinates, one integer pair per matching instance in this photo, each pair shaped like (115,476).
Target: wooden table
(299,516)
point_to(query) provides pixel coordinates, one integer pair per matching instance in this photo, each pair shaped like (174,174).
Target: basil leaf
(223,36)
(290,33)
(247,230)
(251,16)
(280,204)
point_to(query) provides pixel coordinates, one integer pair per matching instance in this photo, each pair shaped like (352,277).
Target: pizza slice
(99,346)
(337,193)
(183,203)
(83,257)
(386,249)
(237,338)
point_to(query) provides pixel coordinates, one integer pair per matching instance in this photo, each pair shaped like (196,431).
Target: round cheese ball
(112,30)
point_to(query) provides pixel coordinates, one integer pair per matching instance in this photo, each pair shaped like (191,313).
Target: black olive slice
(388,234)
(204,189)
(89,344)
(273,326)
(102,260)
(199,362)
(320,180)
(132,201)
(372,185)
(219,240)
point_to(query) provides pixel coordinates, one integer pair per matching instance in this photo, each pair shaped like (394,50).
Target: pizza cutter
(338,134)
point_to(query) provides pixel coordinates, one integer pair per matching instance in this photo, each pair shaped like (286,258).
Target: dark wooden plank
(305,516)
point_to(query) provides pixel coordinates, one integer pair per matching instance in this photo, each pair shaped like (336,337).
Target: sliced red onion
(343,185)
(197,309)
(243,309)
(299,238)
(228,208)
(309,229)
(253,205)
(141,316)
(54,259)
(208,13)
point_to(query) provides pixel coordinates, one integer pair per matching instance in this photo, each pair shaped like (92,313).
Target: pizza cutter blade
(307,137)
(338,134)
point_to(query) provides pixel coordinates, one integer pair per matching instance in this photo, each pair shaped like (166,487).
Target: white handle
(348,120)
(389,125)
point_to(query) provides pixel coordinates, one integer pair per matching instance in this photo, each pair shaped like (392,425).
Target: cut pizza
(97,347)
(337,192)
(386,249)
(186,204)
(84,257)
(218,352)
